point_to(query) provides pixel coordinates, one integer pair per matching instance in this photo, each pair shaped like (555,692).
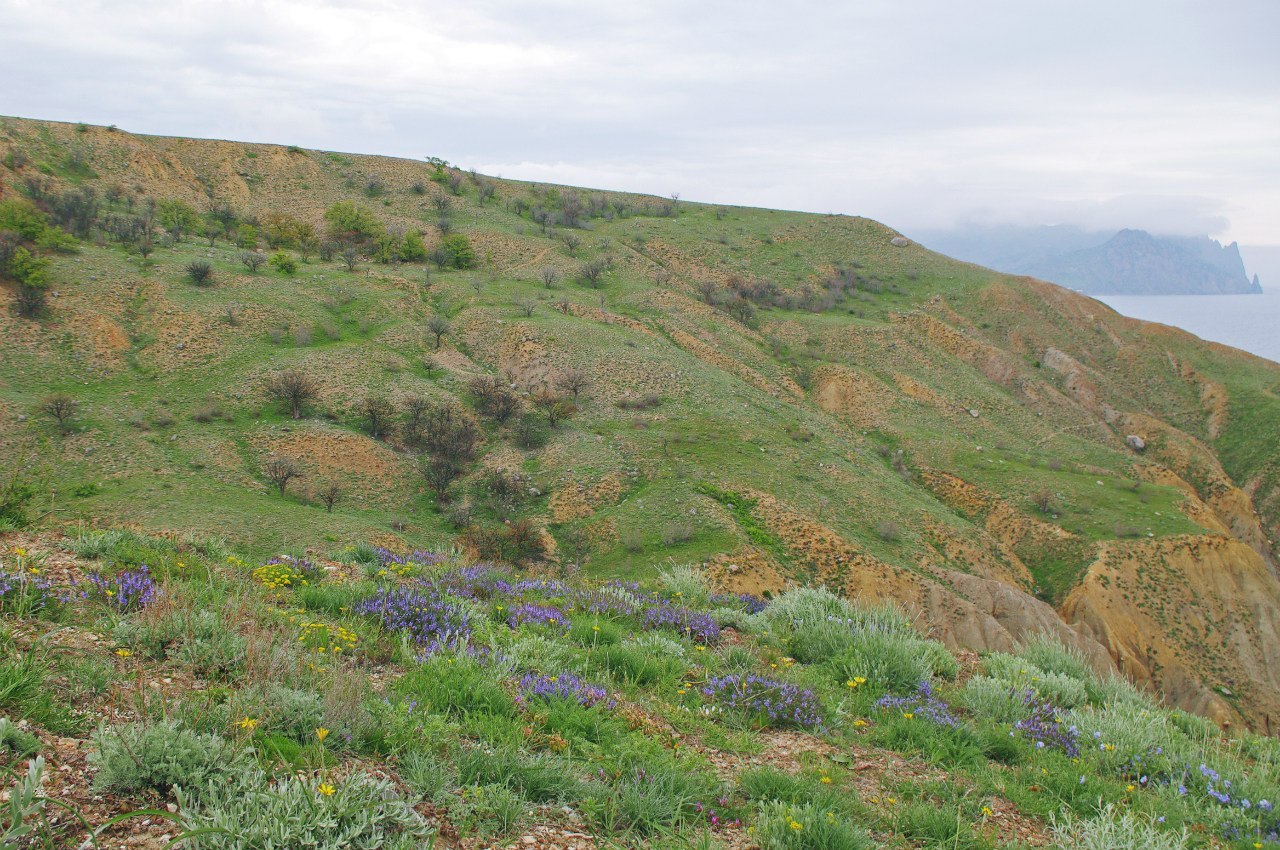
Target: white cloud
(1156,113)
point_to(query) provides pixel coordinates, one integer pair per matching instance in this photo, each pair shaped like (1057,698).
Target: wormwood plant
(355,813)
(162,756)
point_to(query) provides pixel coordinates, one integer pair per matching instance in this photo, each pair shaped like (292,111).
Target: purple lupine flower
(697,626)
(421,611)
(775,702)
(1044,726)
(564,686)
(538,615)
(922,704)
(129,591)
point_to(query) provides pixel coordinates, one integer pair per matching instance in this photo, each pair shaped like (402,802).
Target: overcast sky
(921,113)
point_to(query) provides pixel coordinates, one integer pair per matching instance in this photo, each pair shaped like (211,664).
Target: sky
(923,114)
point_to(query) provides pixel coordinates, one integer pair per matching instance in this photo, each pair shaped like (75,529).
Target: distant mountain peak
(1127,262)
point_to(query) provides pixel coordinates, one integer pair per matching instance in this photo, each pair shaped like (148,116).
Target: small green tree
(457,248)
(31,274)
(350,223)
(412,248)
(247,236)
(177,217)
(283,262)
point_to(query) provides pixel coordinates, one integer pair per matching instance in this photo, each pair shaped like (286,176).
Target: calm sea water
(1251,322)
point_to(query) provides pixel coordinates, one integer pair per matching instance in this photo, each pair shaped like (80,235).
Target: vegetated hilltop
(1128,262)
(604,380)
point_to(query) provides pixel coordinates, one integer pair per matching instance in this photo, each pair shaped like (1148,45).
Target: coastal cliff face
(1128,262)
(1133,262)
(787,398)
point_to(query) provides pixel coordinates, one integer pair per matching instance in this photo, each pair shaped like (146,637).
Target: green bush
(538,778)
(210,648)
(428,775)
(26,692)
(458,251)
(944,745)
(412,248)
(645,800)
(994,699)
(783,826)
(284,262)
(888,662)
(1052,656)
(940,827)
(456,686)
(1021,675)
(594,632)
(634,664)
(490,809)
(818,642)
(768,784)
(350,223)
(162,756)
(355,812)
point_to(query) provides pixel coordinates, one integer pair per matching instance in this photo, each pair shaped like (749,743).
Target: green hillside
(782,397)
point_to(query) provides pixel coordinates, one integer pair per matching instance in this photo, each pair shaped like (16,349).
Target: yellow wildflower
(826,780)
(326,789)
(986,811)
(321,734)
(796,825)
(248,723)
(124,653)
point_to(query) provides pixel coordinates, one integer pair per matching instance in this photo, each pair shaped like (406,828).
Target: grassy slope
(922,342)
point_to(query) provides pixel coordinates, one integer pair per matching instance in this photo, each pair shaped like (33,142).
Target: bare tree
(442,204)
(552,404)
(329,495)
(593,272)
(487,191)
(477,283)
(377,411)
(708,289)
(526,305)
(438,474)
(439,326)
(294,388)
(572,242)
(549,276)
(447,432)
(415,409)
(61,408)
(252,260)
(573,381)
(564,305)
(494,398)
(350,256)
(280,470)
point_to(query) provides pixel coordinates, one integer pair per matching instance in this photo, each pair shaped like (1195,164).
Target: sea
(1250,322)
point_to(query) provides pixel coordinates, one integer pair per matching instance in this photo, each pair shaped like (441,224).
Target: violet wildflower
(776,703)
(129,591)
